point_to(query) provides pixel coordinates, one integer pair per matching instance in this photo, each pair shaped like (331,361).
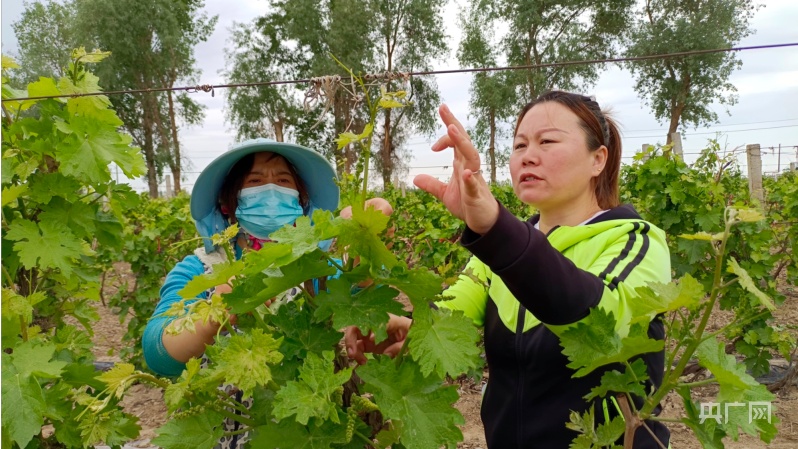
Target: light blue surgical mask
(267,208)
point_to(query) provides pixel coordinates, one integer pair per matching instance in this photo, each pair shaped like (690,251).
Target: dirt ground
(147,403)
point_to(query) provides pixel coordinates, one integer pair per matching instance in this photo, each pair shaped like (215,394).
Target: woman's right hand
(466,195)
(357,344)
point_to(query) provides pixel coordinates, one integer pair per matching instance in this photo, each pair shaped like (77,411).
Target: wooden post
(676,141)
(778,169)
(755,172)
(168,193)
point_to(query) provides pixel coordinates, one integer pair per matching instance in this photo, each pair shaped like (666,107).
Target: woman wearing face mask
(262,186)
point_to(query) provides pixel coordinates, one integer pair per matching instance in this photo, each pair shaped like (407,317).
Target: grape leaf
(312,395)
(11,193)
(117,378)
(706,431)
(45,186)
(360,236)
(445,344)
(289,433)
(77,216)
(300,335)
(389,435)
(35,360)
(729,374)
(304,237)
(419,284)
(23,404)
(47,245)
(630,381)
(748,284)
(750,410)
(271,254)
(244,359)
(90,146)
(114,428)
(593,342)
(422,404)
(201,431)
(293,274)
(174,393)
(659,298)
(222,272)
(367,309)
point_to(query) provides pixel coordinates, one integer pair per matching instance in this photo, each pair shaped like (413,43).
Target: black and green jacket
(538,286)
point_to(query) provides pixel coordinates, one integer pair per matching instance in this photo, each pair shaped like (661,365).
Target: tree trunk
(278,130)
(678,107)
(149,157)
(177,165)
(492,148)
(387,163)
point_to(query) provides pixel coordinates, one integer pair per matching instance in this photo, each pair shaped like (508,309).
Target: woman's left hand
(467,195)
(379,204)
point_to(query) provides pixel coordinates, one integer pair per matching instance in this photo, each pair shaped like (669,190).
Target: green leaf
(244,359)
(175,393)
(389,435)
(201,431)
(80,54)
(419,284)
(79,217)
(259,289)
(45,186)
(446,344)
(23,404)
(301,336)
(90,146)
(630,381)
(288,433)
(748,284)
(748,215)
(11,193)
(273,254)
(593,342)
(47,245)
(703,236)
(750,410)
(712,356)
(113,428)
(312,395)
(45,87)
(347,138)
(118,378)
(422,404)
(36,360)
(9,63)
(706,431)
(222,272)
(659,298)
(360,236)
(304,237)
(367,309)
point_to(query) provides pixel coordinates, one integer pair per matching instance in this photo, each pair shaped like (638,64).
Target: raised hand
(466,195)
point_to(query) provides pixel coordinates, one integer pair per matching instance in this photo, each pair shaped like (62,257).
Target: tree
(152,45)
(299,38)
(682,90)
(491,93)
(47,35)
(408,37)
(540,32)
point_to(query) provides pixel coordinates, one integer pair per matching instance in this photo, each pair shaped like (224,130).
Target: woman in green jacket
(583,250)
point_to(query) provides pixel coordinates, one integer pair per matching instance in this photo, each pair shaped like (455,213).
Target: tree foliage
(681,91)
(152,45)
(295,40)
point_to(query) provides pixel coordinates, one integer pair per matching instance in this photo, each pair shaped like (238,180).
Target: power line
(211,88)
(716,132)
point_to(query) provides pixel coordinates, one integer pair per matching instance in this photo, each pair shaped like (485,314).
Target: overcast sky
(766,112)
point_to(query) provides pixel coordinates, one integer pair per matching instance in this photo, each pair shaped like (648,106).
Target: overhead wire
(211,88)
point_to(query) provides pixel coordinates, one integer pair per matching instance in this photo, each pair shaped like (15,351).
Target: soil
(147,402)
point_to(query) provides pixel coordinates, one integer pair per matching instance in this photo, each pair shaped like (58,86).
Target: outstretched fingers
(431,185)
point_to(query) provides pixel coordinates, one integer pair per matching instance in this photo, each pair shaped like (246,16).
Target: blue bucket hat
(316,172)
